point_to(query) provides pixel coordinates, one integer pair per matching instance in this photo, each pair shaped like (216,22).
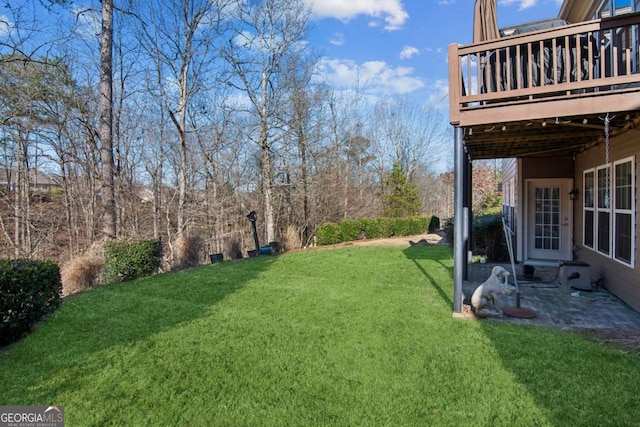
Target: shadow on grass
(572,380)
(121,315)
(440,254)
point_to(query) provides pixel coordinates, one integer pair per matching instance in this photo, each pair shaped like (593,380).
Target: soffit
(575,11)
(551,138)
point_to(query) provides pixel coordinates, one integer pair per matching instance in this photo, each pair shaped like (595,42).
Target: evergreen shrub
(328,234)
(372,228)
(129,260)
(434,224)
(350,230)
(488,238)
(29,291)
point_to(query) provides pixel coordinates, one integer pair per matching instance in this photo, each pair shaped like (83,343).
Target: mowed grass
(344,337)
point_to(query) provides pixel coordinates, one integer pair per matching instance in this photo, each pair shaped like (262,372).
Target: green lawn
(345,337)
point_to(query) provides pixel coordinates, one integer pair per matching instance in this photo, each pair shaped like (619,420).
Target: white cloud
(337,39)
(523,4)
(408,51)
(6,26)
(373,77)
(391,11)
(439,97)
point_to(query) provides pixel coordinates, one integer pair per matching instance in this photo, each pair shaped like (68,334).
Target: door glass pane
(547,218)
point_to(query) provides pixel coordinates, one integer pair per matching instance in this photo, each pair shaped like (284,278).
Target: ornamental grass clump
(80,274)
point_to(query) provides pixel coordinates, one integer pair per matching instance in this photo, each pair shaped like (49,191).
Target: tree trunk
(106,121)
(266,189)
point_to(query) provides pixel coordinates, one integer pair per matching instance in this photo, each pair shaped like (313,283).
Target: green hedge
(328,234)
(29,291)
(349,230)
(130,260)
(372,228)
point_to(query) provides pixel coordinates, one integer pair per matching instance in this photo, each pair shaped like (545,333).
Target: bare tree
(179,37)
(305,121)
(267,36)
(407,132)
(27,89)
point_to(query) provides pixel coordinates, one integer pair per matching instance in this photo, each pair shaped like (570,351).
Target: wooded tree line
(217,110)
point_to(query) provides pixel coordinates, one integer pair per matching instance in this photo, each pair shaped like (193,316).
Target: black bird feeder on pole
(252,217)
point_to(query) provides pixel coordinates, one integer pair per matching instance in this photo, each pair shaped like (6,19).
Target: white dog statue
(489,291)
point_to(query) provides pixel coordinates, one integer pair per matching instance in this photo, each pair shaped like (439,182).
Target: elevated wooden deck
(568,75)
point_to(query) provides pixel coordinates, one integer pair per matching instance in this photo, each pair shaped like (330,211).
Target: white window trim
(611,210)
(624,211)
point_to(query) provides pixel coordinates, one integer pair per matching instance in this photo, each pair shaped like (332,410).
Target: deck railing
(561,62)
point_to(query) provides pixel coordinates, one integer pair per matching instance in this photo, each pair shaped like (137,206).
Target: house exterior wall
(620,279)
(510,197)
(546,167)
(531,168)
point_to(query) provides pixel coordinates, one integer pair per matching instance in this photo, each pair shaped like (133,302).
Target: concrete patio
(556,305)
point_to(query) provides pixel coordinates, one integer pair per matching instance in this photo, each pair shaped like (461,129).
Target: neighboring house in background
(38,181)
(559,101)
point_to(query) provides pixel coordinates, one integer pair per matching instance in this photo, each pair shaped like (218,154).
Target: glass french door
(549,219)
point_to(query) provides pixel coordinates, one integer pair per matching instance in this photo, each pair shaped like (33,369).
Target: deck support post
(461,220)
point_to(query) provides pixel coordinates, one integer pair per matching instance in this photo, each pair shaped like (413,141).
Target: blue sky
(400,46)
(386,47)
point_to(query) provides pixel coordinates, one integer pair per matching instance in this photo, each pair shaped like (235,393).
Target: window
(587,226)
(619,7)
(508,203)
(608,210)
(603,210)
(623,219)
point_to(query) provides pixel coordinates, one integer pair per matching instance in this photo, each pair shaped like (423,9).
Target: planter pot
(216,258)
(265,250)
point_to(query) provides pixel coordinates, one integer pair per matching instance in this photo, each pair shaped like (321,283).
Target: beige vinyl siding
(510,197)
(619,278)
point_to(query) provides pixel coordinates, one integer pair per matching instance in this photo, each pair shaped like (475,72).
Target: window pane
(588,228)
(604,192)
(623,237)
(623,186)
(603,232)
(588,190)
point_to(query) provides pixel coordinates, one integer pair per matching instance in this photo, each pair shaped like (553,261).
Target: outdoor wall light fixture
(573,194)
